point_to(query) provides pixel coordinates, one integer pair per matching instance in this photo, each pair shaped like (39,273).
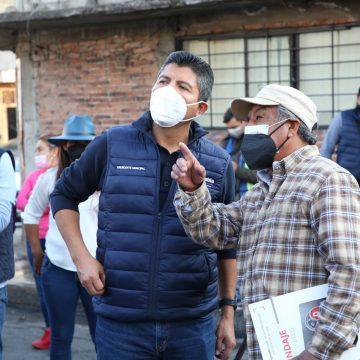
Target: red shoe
(44,342)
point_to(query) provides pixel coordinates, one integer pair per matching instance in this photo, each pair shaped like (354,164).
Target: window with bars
(325,65)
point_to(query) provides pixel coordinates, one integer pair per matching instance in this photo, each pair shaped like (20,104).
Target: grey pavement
(24,323)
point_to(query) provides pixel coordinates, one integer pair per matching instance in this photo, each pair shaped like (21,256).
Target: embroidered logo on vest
(129,167)
(209,181)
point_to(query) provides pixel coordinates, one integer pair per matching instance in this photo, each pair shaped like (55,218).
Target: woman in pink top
(45,157)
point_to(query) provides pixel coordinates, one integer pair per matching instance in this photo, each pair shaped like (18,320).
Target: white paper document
(285,324)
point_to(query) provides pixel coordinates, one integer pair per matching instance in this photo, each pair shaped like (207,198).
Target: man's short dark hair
(228,116)
(200,67)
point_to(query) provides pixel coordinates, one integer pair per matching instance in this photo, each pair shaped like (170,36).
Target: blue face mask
(258,147)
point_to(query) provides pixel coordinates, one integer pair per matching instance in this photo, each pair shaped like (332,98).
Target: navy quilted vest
(7,265)
(153,270)
(348,152)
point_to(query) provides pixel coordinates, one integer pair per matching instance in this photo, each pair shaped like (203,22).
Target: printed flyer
(285,324)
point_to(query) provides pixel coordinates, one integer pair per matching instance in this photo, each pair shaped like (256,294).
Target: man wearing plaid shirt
(298,227)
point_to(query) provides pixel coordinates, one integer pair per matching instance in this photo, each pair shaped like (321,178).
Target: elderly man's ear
(293,128)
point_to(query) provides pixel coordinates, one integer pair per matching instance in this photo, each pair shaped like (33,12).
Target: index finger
(188,155)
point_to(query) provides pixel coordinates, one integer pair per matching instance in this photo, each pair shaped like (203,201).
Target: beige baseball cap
(274,94)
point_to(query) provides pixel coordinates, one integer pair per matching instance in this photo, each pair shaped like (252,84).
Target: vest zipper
(154,268)
(155,265)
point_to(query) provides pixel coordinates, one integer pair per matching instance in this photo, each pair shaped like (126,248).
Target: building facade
(101,57)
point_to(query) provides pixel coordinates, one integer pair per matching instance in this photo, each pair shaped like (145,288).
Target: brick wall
(107,74)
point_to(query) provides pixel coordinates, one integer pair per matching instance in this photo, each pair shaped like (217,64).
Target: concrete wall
(263,16)
(122,6)
(30,5)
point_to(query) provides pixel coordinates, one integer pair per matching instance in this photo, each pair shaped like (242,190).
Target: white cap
(274,94)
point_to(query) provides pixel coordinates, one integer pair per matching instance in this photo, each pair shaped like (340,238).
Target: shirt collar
(265,176)
(288,164)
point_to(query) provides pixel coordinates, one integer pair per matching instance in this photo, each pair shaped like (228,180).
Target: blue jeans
(62,290)
(38,282)
(3,302)
(182,340)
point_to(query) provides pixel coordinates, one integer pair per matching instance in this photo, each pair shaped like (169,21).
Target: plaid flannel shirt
(301,231)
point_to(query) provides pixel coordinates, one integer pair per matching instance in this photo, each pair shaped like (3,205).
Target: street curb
(22,293)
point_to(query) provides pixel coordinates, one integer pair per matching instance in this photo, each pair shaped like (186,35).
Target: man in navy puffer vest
(344,133)
(156,292)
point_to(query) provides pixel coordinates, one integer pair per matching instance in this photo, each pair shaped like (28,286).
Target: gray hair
(203,71)
(304,131)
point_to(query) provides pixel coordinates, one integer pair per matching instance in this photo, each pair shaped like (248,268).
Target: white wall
(7,5)
(7,67)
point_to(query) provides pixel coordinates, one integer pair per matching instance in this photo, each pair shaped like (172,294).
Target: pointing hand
(187,171)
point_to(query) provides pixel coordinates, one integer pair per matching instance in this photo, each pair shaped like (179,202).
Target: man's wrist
(227,312)
(190,190)
(79,255)
(228,303)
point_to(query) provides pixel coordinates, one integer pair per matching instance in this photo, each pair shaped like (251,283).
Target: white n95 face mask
(167,107)
(235,132)
(260,129)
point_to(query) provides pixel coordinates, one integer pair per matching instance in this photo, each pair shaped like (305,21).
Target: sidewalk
(23,322)
(21,288)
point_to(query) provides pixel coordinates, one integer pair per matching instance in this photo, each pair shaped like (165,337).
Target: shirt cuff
(60,203)
(226,254)
(191,196)
(323,349)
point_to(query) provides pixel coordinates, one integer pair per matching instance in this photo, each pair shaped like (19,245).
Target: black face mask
(75,151)
(259,150)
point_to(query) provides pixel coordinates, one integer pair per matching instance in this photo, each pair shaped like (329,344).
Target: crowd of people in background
(162,234)
(342,139)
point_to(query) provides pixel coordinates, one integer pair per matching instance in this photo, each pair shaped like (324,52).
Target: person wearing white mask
(245,177)
(156,293)
(46,156)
